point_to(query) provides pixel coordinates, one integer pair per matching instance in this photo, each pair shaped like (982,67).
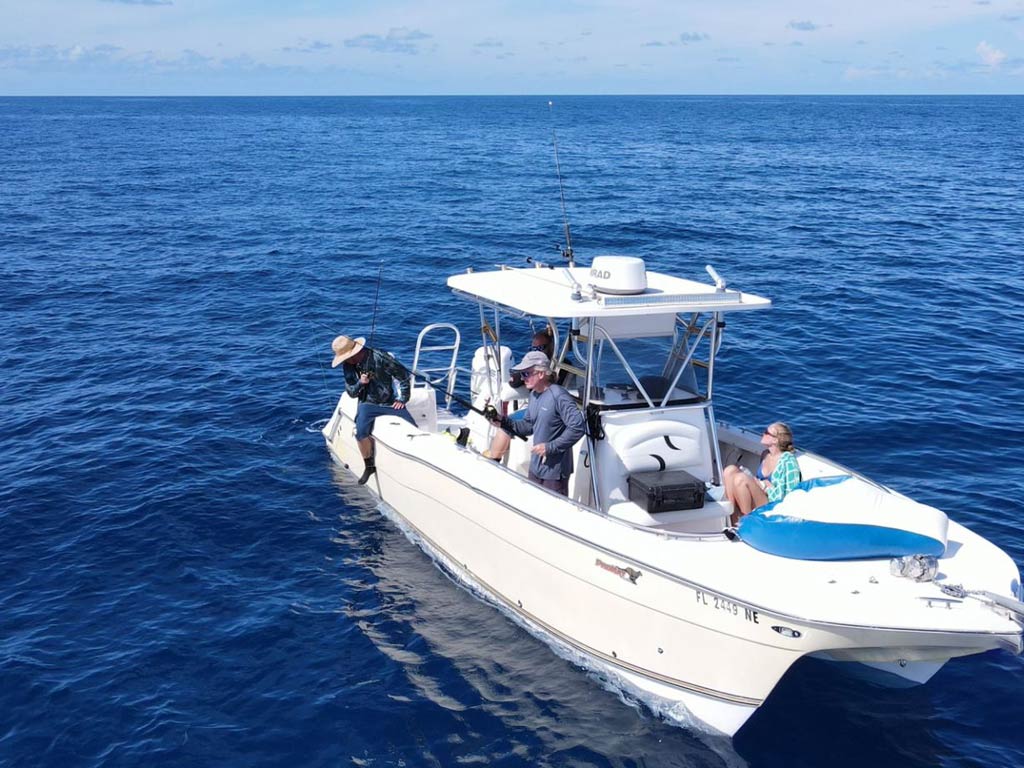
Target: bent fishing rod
(489,412)
(373,324)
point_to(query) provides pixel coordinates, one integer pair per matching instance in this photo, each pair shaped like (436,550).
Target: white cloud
(991,57)
(308,46)
(51,55)
(52,46)
(882,73)
(397,40)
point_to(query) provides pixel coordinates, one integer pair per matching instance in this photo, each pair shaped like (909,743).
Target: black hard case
(666,491)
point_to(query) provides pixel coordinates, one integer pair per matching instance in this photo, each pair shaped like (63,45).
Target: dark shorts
(561,485)
(367,412)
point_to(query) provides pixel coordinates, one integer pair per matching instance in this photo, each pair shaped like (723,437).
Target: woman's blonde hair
(784,435)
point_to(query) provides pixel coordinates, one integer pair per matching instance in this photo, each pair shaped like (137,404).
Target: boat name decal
(721,604)
(631,574)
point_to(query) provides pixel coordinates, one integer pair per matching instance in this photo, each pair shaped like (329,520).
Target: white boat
(668,600)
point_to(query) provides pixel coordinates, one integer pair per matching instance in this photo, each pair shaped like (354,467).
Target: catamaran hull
(570,575)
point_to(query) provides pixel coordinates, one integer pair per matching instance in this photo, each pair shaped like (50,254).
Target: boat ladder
(446,373)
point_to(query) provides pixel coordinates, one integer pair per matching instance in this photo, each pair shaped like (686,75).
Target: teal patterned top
(784,477)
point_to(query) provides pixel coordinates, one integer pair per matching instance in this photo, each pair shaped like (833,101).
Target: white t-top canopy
(546,292)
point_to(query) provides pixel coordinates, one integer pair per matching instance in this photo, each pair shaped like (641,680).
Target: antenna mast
(567,252)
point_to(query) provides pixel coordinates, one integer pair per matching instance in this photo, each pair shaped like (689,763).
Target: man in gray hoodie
(554,420)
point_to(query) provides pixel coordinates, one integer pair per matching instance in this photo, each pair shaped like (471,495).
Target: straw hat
(344,348)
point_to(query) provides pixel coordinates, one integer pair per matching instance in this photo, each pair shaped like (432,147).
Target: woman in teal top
(778,467)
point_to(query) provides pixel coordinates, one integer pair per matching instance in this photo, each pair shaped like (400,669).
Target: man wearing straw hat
(370,377)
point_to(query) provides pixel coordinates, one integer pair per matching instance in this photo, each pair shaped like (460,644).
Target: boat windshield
(624,371)
(651,363)
(650,367)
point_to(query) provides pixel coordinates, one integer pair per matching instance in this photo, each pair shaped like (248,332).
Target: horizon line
(487,95)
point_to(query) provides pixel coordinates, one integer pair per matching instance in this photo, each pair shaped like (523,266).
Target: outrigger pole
(567,253)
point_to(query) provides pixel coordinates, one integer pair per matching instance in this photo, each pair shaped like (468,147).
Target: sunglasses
(531,374)
(768,432)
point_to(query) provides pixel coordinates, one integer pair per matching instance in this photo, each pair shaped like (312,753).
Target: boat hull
(578,578)
(577,594)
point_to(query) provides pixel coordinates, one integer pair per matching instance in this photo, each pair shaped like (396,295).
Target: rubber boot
(369,469)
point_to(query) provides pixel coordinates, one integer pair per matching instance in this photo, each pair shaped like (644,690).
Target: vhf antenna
(567,253)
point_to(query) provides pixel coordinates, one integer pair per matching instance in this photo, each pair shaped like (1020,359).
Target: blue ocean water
(185,579)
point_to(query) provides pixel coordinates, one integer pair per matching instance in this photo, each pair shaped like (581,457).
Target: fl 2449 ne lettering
(721,604)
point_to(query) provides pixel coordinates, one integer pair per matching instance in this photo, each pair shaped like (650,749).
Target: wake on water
(317,426)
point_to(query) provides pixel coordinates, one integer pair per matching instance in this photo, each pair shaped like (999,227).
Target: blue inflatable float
(844,518)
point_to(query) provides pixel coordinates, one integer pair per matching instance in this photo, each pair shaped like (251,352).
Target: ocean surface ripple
(187,580)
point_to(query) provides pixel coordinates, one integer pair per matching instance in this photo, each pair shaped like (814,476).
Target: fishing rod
(567,253)
(489,412)
(373,322)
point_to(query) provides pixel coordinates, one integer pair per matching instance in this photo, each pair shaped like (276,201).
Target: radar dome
(621,275)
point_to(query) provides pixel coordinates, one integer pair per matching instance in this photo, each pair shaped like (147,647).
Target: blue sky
(198,47)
